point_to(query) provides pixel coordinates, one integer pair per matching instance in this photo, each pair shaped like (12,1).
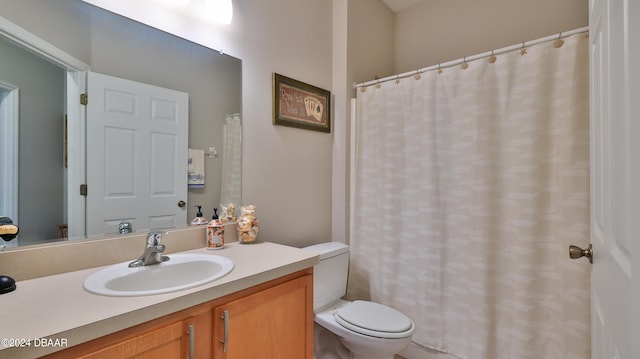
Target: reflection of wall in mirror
(41,131)
(117,46)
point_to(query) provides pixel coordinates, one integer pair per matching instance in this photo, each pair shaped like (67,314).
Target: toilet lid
(374,319)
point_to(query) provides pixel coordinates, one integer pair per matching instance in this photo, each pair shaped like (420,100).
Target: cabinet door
(274,323)
(167,342)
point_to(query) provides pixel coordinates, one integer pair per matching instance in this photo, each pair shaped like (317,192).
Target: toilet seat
(374,320)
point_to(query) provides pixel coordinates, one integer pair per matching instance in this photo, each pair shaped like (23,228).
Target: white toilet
(369,330)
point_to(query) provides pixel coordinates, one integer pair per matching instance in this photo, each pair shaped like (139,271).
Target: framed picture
(297,104)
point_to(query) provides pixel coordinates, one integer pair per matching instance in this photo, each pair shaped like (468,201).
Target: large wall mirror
(116,46)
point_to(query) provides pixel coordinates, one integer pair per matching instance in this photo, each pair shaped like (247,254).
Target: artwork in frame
(298,104)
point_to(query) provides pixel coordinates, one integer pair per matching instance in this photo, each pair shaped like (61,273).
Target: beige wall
(362,48)
(286,171)
(438,31)
(371,39)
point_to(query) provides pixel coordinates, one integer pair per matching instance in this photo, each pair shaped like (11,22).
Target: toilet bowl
(379,337)
(369,330)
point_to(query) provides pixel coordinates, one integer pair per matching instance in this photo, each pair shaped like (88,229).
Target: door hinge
(83,190)
(84,99)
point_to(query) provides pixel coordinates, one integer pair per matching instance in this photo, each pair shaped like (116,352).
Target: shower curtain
(469,185)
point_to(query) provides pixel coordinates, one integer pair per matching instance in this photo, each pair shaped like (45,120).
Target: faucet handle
(154,238)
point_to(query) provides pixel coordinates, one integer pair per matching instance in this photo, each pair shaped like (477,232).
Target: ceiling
(397,5)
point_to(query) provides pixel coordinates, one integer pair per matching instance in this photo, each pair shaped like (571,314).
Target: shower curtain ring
(523,50)
(464,64)
(492,58)
(439,69)
(417,76)
(397,80)
(559,42)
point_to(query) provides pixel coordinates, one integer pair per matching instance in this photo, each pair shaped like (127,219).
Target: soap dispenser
(215,232)
(199,218)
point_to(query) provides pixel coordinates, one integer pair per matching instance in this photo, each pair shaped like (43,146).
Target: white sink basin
(181,271)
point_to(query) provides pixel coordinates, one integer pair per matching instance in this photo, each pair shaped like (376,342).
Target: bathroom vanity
(262,308)
(269,320)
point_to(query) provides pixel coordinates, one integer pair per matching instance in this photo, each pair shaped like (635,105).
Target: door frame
(9,141)
(76,119)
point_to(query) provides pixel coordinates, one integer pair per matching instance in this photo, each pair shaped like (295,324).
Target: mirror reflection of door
(137,138)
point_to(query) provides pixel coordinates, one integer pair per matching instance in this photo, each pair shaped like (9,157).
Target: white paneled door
(615,178)
(137,138)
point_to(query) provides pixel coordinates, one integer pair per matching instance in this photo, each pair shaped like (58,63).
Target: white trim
(76,155)
(40,47)
(352,161)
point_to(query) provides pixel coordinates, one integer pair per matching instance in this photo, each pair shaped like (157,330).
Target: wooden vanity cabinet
(273,323)
(270,320)
(166,342)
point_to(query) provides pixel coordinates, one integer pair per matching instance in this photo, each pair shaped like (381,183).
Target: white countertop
(58,308)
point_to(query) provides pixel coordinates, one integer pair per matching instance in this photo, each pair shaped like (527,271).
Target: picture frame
(300,105)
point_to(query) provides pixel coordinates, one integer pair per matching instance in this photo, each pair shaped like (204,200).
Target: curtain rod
(474,57)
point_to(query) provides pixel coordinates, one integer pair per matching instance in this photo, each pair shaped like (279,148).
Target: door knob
(577,252)
(181,204)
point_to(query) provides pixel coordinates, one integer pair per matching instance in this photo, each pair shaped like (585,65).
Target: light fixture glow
(176,2)
(219,11)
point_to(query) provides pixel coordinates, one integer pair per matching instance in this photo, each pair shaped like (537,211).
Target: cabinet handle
(191,332)
(225,318)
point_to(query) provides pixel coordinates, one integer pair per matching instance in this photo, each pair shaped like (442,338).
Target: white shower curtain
(469,187)
(232,161)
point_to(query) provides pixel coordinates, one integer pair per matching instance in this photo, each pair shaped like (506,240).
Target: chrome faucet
(152,252)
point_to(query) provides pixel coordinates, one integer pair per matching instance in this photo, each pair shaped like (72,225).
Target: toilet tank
(330,275)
